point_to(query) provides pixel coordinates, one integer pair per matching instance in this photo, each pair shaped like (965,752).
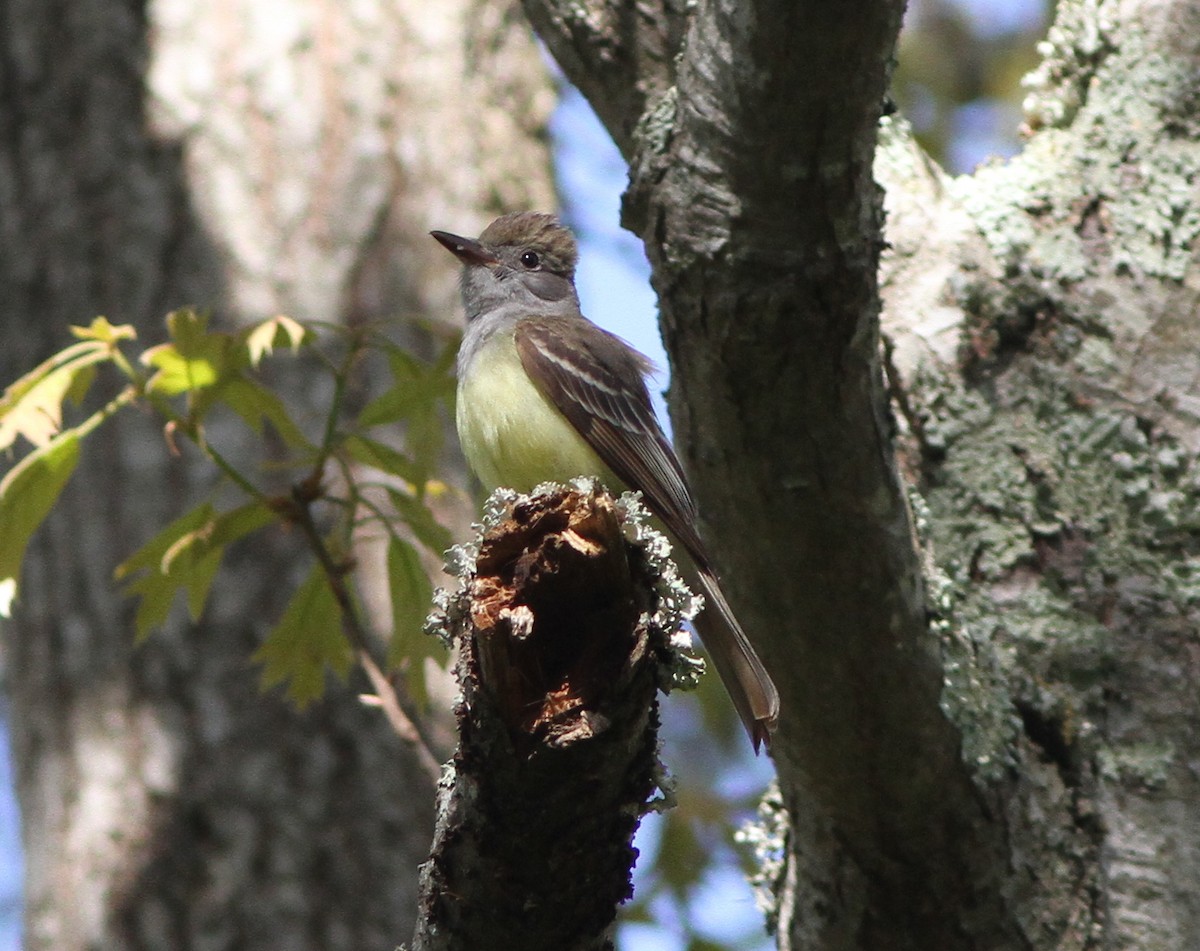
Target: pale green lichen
(1117,162)
(1142,764)
(1041,509)
(974,695)
(767,836)
(657,123)
(1077,41)
(676,602)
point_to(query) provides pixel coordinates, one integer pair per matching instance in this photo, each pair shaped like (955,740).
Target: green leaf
(425,437)
(27,494)
(305,642)
(421,521)
(416,389)
(417,393)
(100,329)
(681,851)
(377,455)
(216,532)
(261,340)
(411,593)
(185,556)
(406,394)
(79,387)
(179,372)
(157,587)
(255,403)
(198,579)
(194,360)
(150,555)
(241,521)
(32,406)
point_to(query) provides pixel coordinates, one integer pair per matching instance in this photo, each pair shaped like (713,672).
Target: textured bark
(155,155)
(562,627)
(1044,317)
(986,731)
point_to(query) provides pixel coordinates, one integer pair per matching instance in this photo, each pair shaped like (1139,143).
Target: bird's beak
(467,250)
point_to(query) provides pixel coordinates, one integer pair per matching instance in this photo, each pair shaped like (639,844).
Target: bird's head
(527,258)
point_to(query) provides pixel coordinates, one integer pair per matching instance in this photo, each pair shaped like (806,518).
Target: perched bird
(546,395)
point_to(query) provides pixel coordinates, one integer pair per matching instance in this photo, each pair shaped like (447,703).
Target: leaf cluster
(355,473)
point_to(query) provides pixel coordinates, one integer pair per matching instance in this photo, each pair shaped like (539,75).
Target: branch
(619,54)
(767,139)
(562,626)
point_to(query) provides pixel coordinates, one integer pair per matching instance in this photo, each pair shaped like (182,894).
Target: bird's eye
(530,259)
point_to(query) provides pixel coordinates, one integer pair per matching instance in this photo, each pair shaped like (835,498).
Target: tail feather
(745,678)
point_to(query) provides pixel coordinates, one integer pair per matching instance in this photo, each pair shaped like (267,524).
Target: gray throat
(501,319)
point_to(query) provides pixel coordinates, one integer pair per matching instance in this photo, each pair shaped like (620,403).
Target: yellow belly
(511,433)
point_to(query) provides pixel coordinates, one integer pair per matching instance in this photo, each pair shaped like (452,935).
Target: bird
(545,395)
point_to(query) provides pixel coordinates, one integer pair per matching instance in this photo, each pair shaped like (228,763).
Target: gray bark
(988,730)
(161,154)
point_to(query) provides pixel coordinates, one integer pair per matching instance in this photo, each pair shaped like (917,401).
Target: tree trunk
(253,161)
(989,710)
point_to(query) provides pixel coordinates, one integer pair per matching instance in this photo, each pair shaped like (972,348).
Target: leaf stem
(340,376)
(227,467)
(121,400)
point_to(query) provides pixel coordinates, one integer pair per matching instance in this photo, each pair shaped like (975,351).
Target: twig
(385,690)
(402,723)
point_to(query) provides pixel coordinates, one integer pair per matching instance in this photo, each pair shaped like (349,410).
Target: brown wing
(597,381)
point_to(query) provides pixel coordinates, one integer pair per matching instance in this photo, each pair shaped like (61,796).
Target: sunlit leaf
(411,594)
(194,359)
(32,406)
(261,340)
(27,493)
(100,329)
(306,643)
(179,372)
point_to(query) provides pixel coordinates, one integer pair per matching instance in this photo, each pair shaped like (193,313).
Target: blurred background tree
(247,159)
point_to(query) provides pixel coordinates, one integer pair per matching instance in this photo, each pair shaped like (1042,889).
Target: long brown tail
(745,678)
